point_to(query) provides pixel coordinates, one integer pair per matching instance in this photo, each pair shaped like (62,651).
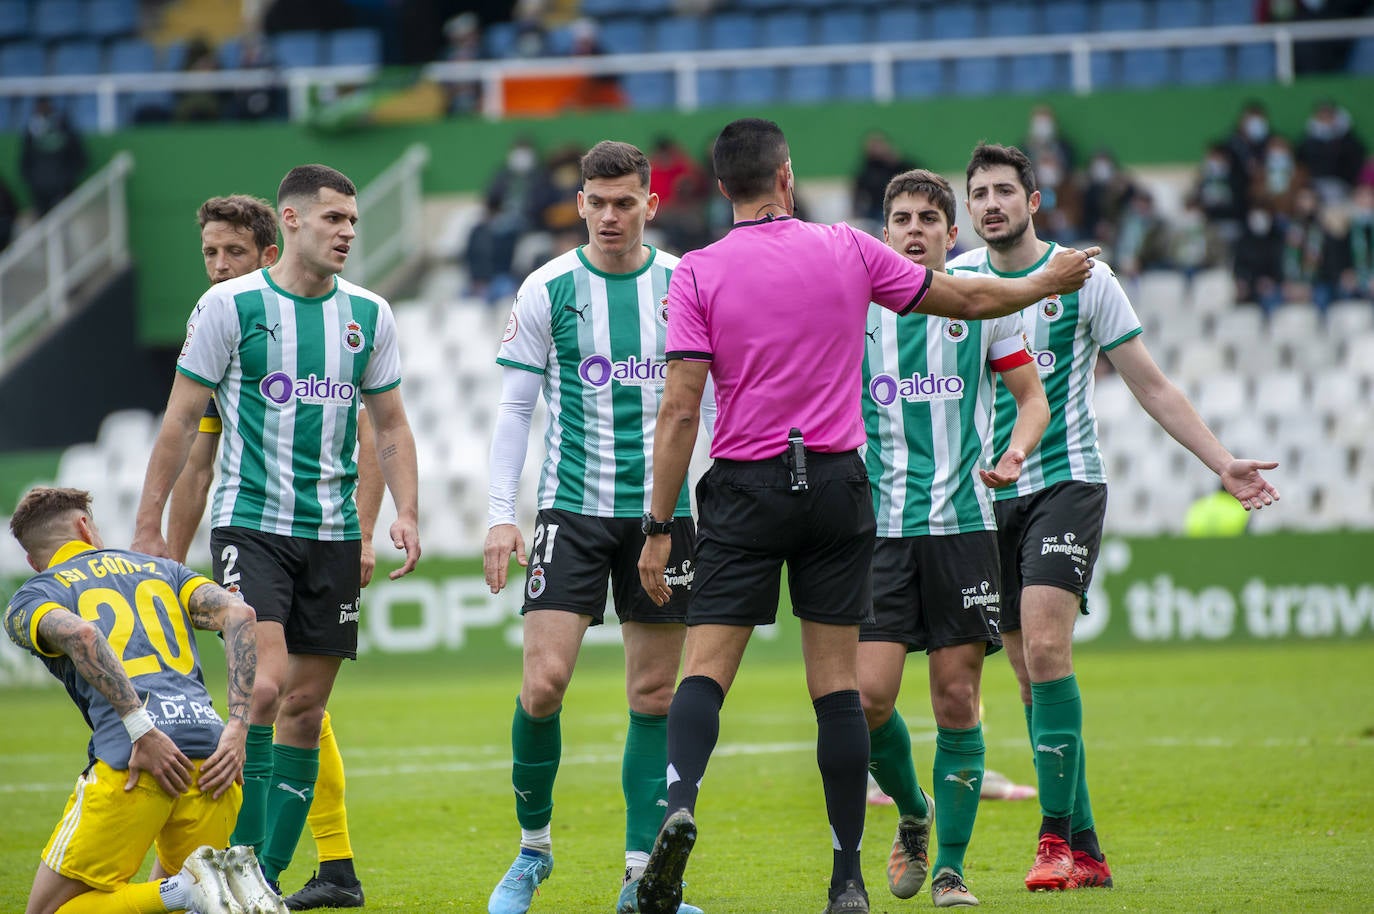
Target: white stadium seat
(1280,393)
(1223,397)
(1295,319)
(1349,318)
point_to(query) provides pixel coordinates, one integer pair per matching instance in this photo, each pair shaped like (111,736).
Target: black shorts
(571,556)
(931,592)
(310,586)
(751,523)
(1049,537)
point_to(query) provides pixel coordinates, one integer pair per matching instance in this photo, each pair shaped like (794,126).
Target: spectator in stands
(601,90)
(464,34)
(9,212)
(1278,177)
(1331,150)
(531,36)
(1257,267)
(52,156)
(264,102)
(1043,138)
(1107,192)
(881,162)
(199,104)
(1246,143)
(489,257)
(683,189)
(1061,201)
(1327,55)
(513,188)
(1142,239)
(1222,191)
(1191,242)
(1353,251)
(1304,241)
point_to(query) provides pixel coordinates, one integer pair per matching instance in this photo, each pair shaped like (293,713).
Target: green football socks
(251,827)
(1057,738)
(643,778)
(294,772)
(958,773)
(537,747)
(889,758)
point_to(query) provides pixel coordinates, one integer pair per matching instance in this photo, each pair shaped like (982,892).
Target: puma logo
(270,331)
(303,794)
(524,795)
(958,780)
(872,334)
(580,312)
(1056,750)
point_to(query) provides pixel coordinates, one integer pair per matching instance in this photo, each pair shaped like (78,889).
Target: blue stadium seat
(810,83)
(787,29)
(82,111)
(918,78)
(677,33)
(499,38)
(230,54)
(756,86)
(1206,65)
(713,88)
(353,46)
(76,58)
(734,31)
(111,18)
(1362,57)
(132,55)
(559,41)
(1233,12)
(23,58)
(1102,69)
(898,24)
(609,8)
(628,35)
(1145,67)
(976,76)
(760,4)
(1255,63)
(1038,73)
(1180,14)
(1122,16)
(953,21)
(842,26)
(14,19)
(1011,18)
(649,91)
(54,20)
(297,49)
(855,81)
(1065,17)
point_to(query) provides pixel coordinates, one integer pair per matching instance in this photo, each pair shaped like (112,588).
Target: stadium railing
(303,83)
(390,208)
(85,234)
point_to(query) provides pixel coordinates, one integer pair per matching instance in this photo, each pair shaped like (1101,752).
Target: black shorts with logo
(1049,537)
(571,555)
(752,523)
(931,592)
(309,586)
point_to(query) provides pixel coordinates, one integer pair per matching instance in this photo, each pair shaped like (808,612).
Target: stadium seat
(760,4)
(786,29)
(353,47)
(954,21)
(76,58)
(713,88)
(229,54)
(23,58)
(809,83)
(1121,16)
(14,19)
(1065,17)
(842,26)
(855,81)
(499,39)
(1347,318)
(649,91)
(54,20)
(626,35)
(608,8)
(918,78)
(1222,396)
(1294,319)
(1011,18)
(732,31)
(1179,14)
(898,24)
(755,86)
(676,33)
(1362,56)
(132,55)
(297,49)
(1232,12)
(1103,67)
(1038,73)
(1280,393)
(111,18)
(976,76)
(1255,63)
(1145,67)
(1206,65)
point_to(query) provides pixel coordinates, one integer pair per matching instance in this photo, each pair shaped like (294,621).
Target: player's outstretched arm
(189,495)
(370,489)
(85,645)
(675,436)
(1171,408)
(1032,417)
(180,424)
(212,608)
(984,297)
(396,457)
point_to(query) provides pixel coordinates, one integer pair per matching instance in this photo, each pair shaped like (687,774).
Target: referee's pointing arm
(984,297)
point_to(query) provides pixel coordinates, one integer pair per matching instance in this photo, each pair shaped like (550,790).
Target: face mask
(1214,168)
(1260,223)
(1050,175)
(1321,130)
(1042,129)
(521,159)
(1256,128)
(1102,171)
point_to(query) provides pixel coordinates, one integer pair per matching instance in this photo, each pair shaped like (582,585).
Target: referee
(775,312)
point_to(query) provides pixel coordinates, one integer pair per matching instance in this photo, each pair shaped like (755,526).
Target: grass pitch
(1224,779)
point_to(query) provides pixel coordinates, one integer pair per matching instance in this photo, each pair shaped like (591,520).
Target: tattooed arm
(213,608)
(95,661)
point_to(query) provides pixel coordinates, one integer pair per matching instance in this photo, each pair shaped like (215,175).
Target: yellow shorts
(105,833)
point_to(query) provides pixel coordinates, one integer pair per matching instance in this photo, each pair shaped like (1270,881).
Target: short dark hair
(920,181)
(36,519)
(244,211)
(990,155)
(613,159)
(747,155)
(309,180)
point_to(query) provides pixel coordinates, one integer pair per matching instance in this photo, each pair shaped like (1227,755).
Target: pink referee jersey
(778,307)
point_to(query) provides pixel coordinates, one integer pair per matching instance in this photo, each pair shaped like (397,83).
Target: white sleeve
(1113,319)
(383,370)
(708,407)
(212,337)
(528,338)
(509,440)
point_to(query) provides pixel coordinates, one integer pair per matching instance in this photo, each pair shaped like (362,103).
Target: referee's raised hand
(1069,269)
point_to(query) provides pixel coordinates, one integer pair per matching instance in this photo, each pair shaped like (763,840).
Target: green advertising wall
(179,166)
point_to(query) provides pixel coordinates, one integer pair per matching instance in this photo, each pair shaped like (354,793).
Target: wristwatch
(650,527)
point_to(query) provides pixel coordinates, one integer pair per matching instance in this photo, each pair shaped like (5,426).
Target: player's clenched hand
(155,753)
(653,558)
(405,535)
(1007,471)
(1070,268)
(368,563)
(1243,480)
(225,765)
(150,542)
(502,540)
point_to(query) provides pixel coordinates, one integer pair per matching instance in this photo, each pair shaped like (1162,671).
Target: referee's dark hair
(747,154)
(990,155)
(919,181)
(612,159)
(309,180)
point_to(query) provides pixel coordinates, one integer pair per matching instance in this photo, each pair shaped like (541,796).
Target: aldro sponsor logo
(982,595)
(279,388)
(886,389)
(598,371)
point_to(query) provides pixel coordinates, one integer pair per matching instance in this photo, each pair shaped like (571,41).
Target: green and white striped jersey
(597,338)
(927,408)
(1066,333)
(287,372)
